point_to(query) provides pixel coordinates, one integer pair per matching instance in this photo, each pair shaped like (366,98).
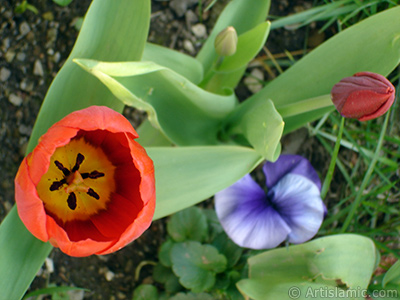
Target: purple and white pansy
(291,209)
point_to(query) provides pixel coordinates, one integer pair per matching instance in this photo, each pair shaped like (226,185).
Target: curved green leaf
(392,275)
(325,264)
(162,93)
(181,63)
(187,175)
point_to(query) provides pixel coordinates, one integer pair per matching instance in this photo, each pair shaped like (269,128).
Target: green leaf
(163,254)
(145,292)
(163,93)
(260,124)
(21,256)
(187,175)
(180,63)
(392,275)
(243,15)
(192,296)
(165,276)
(196,265)
(62,2)
(105,35)
(188,224)
(370,45)
(228,248)
(53,290)
(249,44)
(322,264)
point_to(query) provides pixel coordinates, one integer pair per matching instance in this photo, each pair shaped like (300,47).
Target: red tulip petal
(30,207)
(136,229)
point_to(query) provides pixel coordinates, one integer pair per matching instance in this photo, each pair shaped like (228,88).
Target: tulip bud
(226,42)
(364,96)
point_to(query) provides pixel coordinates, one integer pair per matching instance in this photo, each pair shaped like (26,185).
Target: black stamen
(79,160)
(95,174)
(93,194)
(57,184)
(92,175)
(59,165)
(71,201)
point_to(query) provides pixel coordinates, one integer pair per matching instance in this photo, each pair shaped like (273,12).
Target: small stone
(38,68)
(24,28)
(56,57)
(48,15)
(199,30)
(253,82)
(25,130)
(191,17)
(21,56)
(15,100)
(4,74)
(121,295)
(49,265)
(188,46)
(109,275)
(181,6)
(9,56)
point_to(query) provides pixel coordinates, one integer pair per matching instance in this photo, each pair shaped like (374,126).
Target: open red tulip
(363,96)
(88,187)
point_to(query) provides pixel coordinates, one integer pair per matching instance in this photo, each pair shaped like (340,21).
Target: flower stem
(304,106)
(329,175)
(367,176)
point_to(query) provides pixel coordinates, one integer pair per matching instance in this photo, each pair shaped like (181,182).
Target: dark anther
(92,175)
(59,165)
(79,160)
(93,194)
(57,184)
(71,201)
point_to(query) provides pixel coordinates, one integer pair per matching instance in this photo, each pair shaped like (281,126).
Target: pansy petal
(247,218)
(288,163)
(298,201)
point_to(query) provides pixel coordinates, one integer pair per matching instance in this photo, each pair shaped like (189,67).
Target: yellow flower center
(78,183)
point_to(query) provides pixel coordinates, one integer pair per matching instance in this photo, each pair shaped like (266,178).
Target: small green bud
(226,42)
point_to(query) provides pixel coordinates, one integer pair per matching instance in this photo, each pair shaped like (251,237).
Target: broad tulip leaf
(188,175)
(196,265)
(243,15)
(106,34)
(392,275)
(261,125)
(370,45)
(189,224)
(181,63)
(162,93)
(323,264)
(249,44)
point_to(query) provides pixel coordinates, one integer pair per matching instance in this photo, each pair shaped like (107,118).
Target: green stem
(329,175)
(304,106)
(367,176)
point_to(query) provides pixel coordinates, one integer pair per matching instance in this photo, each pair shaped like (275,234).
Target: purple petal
(248,218)
(298,201)
(293,164)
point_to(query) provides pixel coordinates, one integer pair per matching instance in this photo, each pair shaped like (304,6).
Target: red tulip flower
(88,187)
(364,96)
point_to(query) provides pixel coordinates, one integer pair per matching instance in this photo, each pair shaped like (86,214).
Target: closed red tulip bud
(88,187)
(364,96)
